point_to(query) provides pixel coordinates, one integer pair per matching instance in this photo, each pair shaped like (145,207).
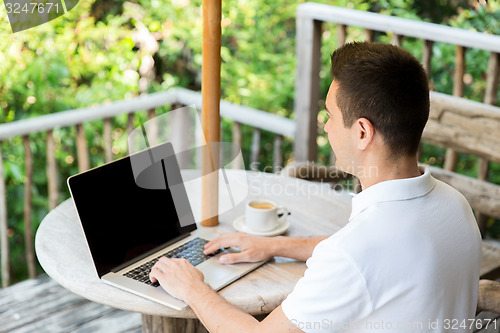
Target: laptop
(128,226)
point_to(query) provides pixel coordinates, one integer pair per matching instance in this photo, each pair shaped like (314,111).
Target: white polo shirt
(407,261)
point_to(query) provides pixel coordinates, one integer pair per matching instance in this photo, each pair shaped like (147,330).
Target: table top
(315,209)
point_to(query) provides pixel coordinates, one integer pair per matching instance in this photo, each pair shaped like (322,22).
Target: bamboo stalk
(28,231)
(210,89)
(4,238)
(53,189)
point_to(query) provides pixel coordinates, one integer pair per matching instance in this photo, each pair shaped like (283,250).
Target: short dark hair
(386,85)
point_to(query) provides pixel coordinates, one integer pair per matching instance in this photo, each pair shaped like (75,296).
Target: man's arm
(219,316)
(180,279)
(254,248)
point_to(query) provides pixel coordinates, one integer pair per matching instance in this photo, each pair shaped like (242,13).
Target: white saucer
(239,224)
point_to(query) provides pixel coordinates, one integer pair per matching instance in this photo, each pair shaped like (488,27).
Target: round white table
(315,209)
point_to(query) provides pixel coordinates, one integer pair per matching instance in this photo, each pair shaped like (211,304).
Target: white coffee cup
(262,215)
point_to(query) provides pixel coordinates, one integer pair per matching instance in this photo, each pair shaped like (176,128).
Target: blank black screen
(121,220)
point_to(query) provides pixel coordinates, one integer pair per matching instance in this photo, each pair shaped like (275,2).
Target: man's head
(386,88)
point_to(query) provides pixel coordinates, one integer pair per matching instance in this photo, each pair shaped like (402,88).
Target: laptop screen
(122,220)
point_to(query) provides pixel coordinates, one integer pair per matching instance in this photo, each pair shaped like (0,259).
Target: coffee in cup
(262,215)
(261,205)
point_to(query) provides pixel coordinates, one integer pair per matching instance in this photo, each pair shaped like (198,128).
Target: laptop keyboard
(192,251)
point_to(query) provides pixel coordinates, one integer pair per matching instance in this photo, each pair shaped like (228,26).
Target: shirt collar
(393,190)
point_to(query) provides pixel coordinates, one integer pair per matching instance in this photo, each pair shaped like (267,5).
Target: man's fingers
(161,267)
(152,274)
(211,248)
(216,244)
(225,240)
(233,258)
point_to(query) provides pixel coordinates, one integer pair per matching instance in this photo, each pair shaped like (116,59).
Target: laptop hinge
(150,252)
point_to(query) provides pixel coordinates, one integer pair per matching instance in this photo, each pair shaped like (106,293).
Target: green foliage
(94,53)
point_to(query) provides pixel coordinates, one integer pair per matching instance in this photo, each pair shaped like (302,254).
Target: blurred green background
(94,55)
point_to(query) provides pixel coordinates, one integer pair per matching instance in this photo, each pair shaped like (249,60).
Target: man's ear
(364,133)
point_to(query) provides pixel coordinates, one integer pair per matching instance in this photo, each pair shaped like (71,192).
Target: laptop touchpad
(217,274)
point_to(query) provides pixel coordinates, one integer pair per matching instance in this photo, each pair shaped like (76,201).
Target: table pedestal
(155,324)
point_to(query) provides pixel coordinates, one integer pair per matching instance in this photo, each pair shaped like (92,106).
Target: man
(408,260)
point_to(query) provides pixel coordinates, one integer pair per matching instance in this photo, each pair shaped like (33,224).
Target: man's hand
(178,277)
(253,248)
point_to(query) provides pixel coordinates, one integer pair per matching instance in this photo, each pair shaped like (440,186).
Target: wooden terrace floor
(42,305)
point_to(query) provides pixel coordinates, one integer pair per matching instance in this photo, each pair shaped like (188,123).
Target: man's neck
(374,173)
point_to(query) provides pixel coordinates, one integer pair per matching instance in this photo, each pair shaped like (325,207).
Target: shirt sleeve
(331,296)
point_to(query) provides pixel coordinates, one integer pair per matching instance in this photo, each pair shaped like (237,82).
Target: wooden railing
(260,120)
(310,18)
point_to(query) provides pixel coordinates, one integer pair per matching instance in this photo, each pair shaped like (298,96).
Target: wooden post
(152,128)
(181,123)
(491,94)
(130,123)
(28,231)
(333,158)
(210,110)
(426,58)
(308,50)
(426,63)
(341,34)
(369,35)
(277,153)
(458,78)
(53,189)
(82,149)
(451,158)
(108,141)
(4,238)
(255,149)
(154,324)
(397,40)
(237,143)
